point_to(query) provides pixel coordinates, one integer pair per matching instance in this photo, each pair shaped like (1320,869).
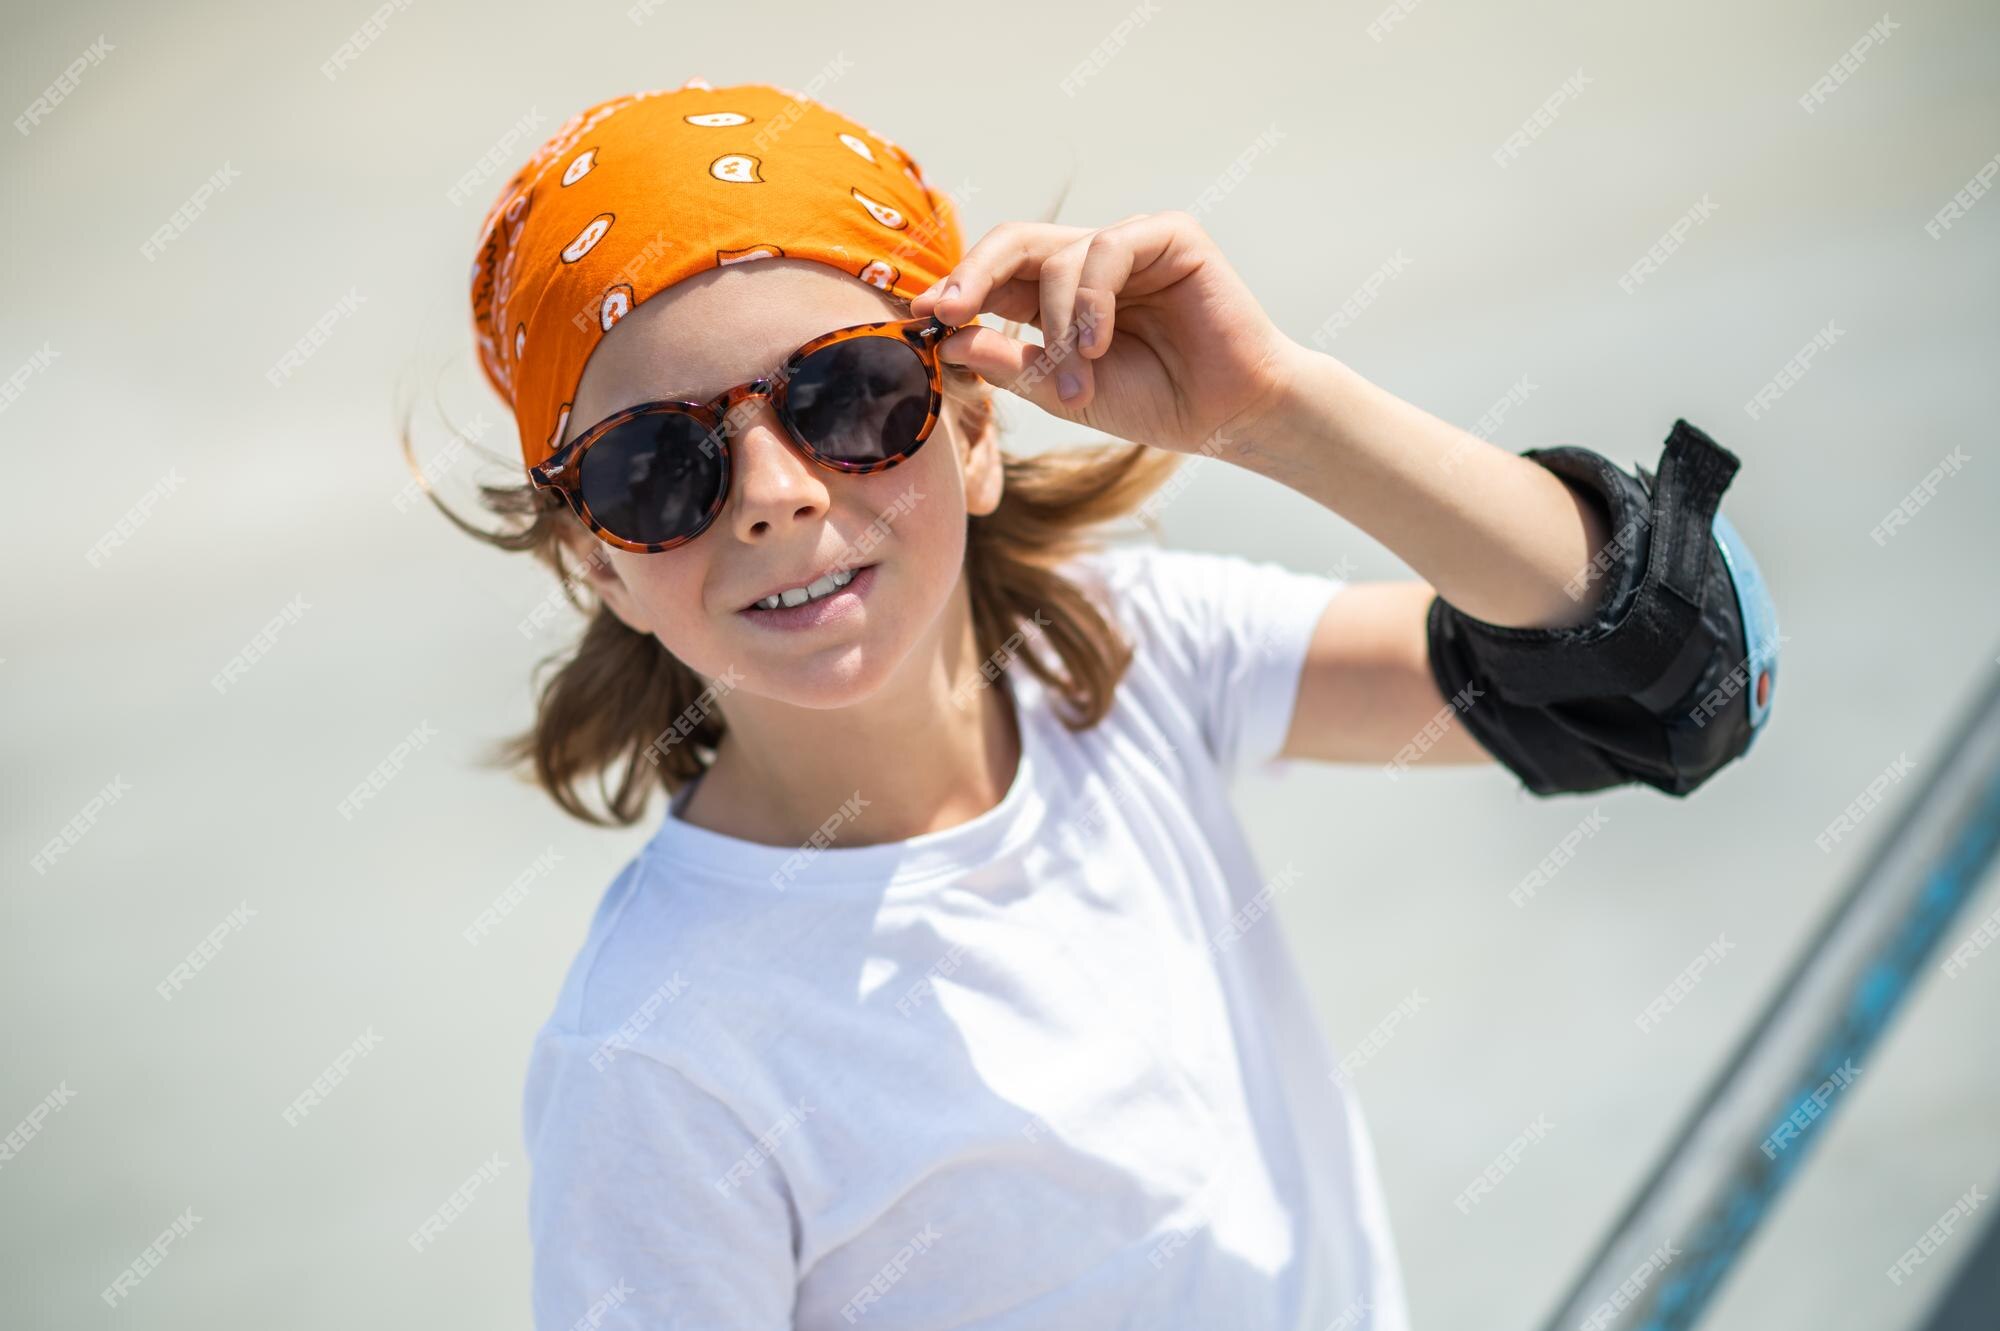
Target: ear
(976,424)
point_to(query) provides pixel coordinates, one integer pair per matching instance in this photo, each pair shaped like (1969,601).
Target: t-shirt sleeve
(1229,635)
(650,1203)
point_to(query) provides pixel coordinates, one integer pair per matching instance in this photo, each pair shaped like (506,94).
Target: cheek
(921,504)
(666,594)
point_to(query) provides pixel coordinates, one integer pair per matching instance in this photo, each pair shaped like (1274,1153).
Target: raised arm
(1582,625)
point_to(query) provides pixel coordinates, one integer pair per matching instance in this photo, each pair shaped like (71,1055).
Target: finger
(1018,367)
(1016,301)
(1144,254)
(1009,250)
(1129,258)
(1058,296)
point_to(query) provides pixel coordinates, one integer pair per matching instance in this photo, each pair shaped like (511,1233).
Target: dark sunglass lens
(861,400)
(654,478)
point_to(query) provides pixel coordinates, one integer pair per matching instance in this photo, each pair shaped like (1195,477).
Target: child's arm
(1668,627)
(1493,533)
(1607,647)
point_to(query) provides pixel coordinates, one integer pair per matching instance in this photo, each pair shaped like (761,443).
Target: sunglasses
(859,399)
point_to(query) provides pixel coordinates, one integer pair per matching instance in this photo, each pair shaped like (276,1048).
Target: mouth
(831,597)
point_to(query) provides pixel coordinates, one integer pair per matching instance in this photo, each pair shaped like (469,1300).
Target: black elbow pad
(1669,681)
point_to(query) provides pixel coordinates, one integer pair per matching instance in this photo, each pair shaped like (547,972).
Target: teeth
(810,592)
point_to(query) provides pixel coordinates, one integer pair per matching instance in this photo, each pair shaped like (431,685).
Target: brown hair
(615,691)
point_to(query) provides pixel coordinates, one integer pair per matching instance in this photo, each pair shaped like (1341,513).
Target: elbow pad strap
(1648,689)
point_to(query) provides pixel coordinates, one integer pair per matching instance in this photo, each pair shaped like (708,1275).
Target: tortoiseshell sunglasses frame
(563,469)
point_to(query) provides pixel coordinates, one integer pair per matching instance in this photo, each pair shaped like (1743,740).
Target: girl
(941,996)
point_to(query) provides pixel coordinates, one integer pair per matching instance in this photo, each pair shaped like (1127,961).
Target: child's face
(786,520)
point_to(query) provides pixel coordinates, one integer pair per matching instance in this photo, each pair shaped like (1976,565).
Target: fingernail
(1089,335)
(1068,385)
(949,292)
(930,290)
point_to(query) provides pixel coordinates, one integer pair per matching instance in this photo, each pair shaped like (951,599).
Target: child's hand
(1158,336)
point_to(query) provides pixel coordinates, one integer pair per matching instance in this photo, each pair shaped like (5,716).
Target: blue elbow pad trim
(1670,680)
(1760,621)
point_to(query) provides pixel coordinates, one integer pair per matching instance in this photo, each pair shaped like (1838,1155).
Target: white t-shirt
(1050,1068)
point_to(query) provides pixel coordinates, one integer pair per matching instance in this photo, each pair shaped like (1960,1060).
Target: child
(942,995)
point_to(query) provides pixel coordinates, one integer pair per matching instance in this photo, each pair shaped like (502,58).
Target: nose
(773,486)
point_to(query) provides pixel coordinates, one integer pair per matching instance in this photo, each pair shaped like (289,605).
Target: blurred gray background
(144,383)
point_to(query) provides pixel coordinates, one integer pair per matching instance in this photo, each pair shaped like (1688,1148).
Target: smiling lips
(824,585)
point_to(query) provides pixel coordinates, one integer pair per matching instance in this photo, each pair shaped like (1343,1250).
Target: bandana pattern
(638,192)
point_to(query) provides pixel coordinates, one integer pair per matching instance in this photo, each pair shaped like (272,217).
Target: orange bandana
(640,191)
